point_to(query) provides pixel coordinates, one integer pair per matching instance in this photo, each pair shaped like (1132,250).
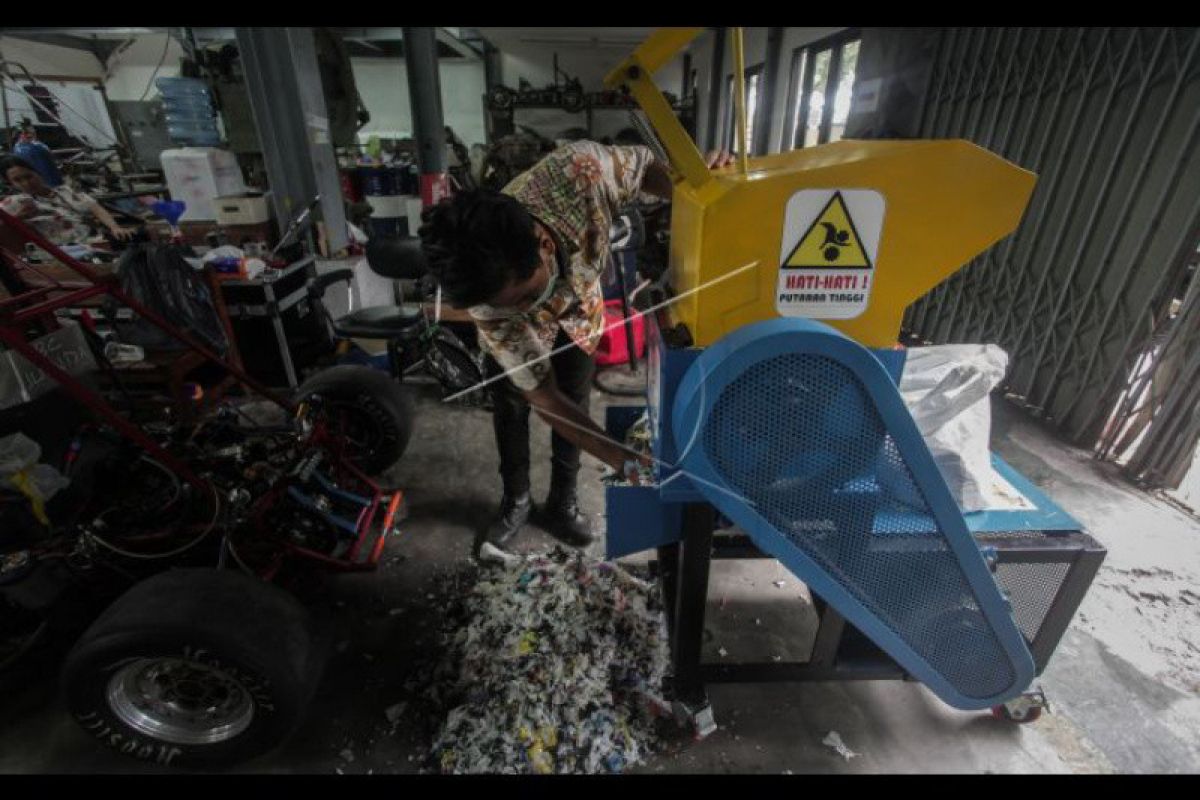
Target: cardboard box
(242,210)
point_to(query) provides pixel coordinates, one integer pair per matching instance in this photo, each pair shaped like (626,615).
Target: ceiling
(624,38)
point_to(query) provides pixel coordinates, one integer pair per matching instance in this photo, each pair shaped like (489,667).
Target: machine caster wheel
(1023,710)
(699,721)
(1019,718)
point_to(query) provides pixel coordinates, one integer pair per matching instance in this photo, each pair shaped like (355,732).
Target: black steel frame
(839,651)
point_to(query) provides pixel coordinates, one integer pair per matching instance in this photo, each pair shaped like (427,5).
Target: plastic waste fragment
(555,666)
(393,713)
(490,554)
(833,739)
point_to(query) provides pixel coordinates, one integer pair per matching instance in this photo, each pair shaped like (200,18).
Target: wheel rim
(180,702)
(360,431)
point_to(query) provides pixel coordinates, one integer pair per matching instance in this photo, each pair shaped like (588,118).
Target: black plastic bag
(159,277)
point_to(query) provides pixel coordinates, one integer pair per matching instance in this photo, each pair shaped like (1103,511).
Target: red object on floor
(614,348)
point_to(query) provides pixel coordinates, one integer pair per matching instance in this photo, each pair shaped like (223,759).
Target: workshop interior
(871,439)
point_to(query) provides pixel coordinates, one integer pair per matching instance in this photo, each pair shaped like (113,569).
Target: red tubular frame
(13,317)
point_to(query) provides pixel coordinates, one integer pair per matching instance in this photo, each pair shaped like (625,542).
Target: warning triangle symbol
(831,242)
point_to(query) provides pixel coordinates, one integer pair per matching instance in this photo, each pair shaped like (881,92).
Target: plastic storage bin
(188,108)
(198,176)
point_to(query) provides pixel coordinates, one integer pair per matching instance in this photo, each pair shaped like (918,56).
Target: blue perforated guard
(810,440)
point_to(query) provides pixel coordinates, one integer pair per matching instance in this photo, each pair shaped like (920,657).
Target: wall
(589,63)
(589,59)
(46,59)
(81,107)
(130,71)
(383,85)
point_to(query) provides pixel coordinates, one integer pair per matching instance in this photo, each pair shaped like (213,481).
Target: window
(753,82)
(822,87)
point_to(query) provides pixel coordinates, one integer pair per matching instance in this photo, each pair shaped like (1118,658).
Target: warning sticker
(827,258)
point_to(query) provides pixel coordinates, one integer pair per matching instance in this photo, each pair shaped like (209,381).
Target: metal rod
(142,311)
(739,100)
(764,113)
(825,131)
(71,298)
(805,100)
(96,404)
(630,342)
(1100,198)
(716,82)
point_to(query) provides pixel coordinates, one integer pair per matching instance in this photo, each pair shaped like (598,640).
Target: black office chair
(411,337)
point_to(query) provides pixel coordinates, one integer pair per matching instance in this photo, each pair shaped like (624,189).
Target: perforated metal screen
(800,438)
(1032,588)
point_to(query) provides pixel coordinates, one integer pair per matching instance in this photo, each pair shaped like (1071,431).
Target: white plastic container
(387,205)
(198,176)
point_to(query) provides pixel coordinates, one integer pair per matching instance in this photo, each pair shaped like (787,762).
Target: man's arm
(101,213)
(657,179)
(570,422)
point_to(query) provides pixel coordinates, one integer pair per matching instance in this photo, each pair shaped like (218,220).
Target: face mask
(546,293)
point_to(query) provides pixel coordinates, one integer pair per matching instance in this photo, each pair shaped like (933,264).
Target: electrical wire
(144,557)
(233,552)
(161,60)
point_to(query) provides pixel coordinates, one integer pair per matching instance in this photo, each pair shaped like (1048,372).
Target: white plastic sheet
(19,456)
(947,389)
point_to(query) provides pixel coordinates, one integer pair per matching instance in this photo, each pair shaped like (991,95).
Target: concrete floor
(1123,686)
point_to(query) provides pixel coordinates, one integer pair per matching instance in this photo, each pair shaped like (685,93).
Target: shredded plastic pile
(558,667)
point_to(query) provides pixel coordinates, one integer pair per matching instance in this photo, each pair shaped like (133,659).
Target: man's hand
(632,466)
(122,234)
(716,159)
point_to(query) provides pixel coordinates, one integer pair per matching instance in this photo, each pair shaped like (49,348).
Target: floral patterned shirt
(575,192)
(59,216)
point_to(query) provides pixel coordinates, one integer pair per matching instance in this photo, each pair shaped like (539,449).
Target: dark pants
(510,416)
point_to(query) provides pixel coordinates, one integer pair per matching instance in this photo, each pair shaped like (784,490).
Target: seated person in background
(61,214)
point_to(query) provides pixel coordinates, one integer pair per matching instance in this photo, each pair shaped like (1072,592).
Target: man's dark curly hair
(476,243)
